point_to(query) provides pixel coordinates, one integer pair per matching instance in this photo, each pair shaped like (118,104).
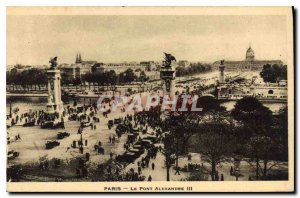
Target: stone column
(168,76)
(221,69)
(54,92)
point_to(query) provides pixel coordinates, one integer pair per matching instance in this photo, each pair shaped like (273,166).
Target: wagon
(58,125)
(12,154)
(47,125)
(137,146)
(131,138)
(110,123)
(86,124)
(134,130)
(146,143)
(52,144)
(100,150)
(152,138)
(130,157)
(117,121)
(62,135)
(29,124)
(136,150)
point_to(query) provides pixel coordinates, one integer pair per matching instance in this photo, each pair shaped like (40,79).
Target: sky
(34,39)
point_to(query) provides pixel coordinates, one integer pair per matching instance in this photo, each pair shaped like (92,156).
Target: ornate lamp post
(167,74)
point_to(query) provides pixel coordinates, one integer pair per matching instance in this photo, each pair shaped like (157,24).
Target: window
(270,92)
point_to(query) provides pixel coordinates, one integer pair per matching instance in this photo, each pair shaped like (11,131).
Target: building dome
(250,54)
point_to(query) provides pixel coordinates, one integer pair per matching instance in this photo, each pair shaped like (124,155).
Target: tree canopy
(273,73)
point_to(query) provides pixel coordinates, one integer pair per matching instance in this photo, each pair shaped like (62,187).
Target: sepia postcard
(150,99)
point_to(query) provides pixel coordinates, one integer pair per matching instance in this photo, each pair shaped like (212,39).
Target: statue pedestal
(168,76)
(54,92)
(52,108)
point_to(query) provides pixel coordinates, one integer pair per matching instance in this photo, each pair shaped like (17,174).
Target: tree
(272,145)
(129,76)
(89,78)
(273,73)
(216,143)
(169,151)
(30,77)
(269,149)
(257,119)
(281,126)
(143,77)
(181,126)
(76,82)
(210,106)
(194,68)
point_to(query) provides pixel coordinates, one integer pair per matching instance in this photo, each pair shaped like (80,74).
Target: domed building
(250,54)
(249,64)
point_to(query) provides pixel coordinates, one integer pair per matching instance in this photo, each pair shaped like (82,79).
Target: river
(39,103)
(274,107)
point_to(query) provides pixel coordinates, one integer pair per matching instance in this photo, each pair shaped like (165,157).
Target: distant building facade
(122,67)
(77,69)
(254,87)
(271,91)
(249,64)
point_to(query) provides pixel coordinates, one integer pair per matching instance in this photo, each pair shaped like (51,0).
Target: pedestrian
(86,142)
(153,166)
(150,178)
(177,171)
(109,169)
(217,176)
(189,157)
(222,177)
(139,170)
(87,155)
(81,150)
(231,171)
(46,164)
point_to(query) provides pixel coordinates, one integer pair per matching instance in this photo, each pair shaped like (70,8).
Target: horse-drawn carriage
(110,123)
(52,144)
(58,125)
(85,124)
(99,149)
(12,154)
(29,124)
(117,121)
(62,135)
(146,143)
(134,130)
(47,125)
(138,151)
(96,119)
(152,138)
(127,157)
(137,146)
(131,138)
